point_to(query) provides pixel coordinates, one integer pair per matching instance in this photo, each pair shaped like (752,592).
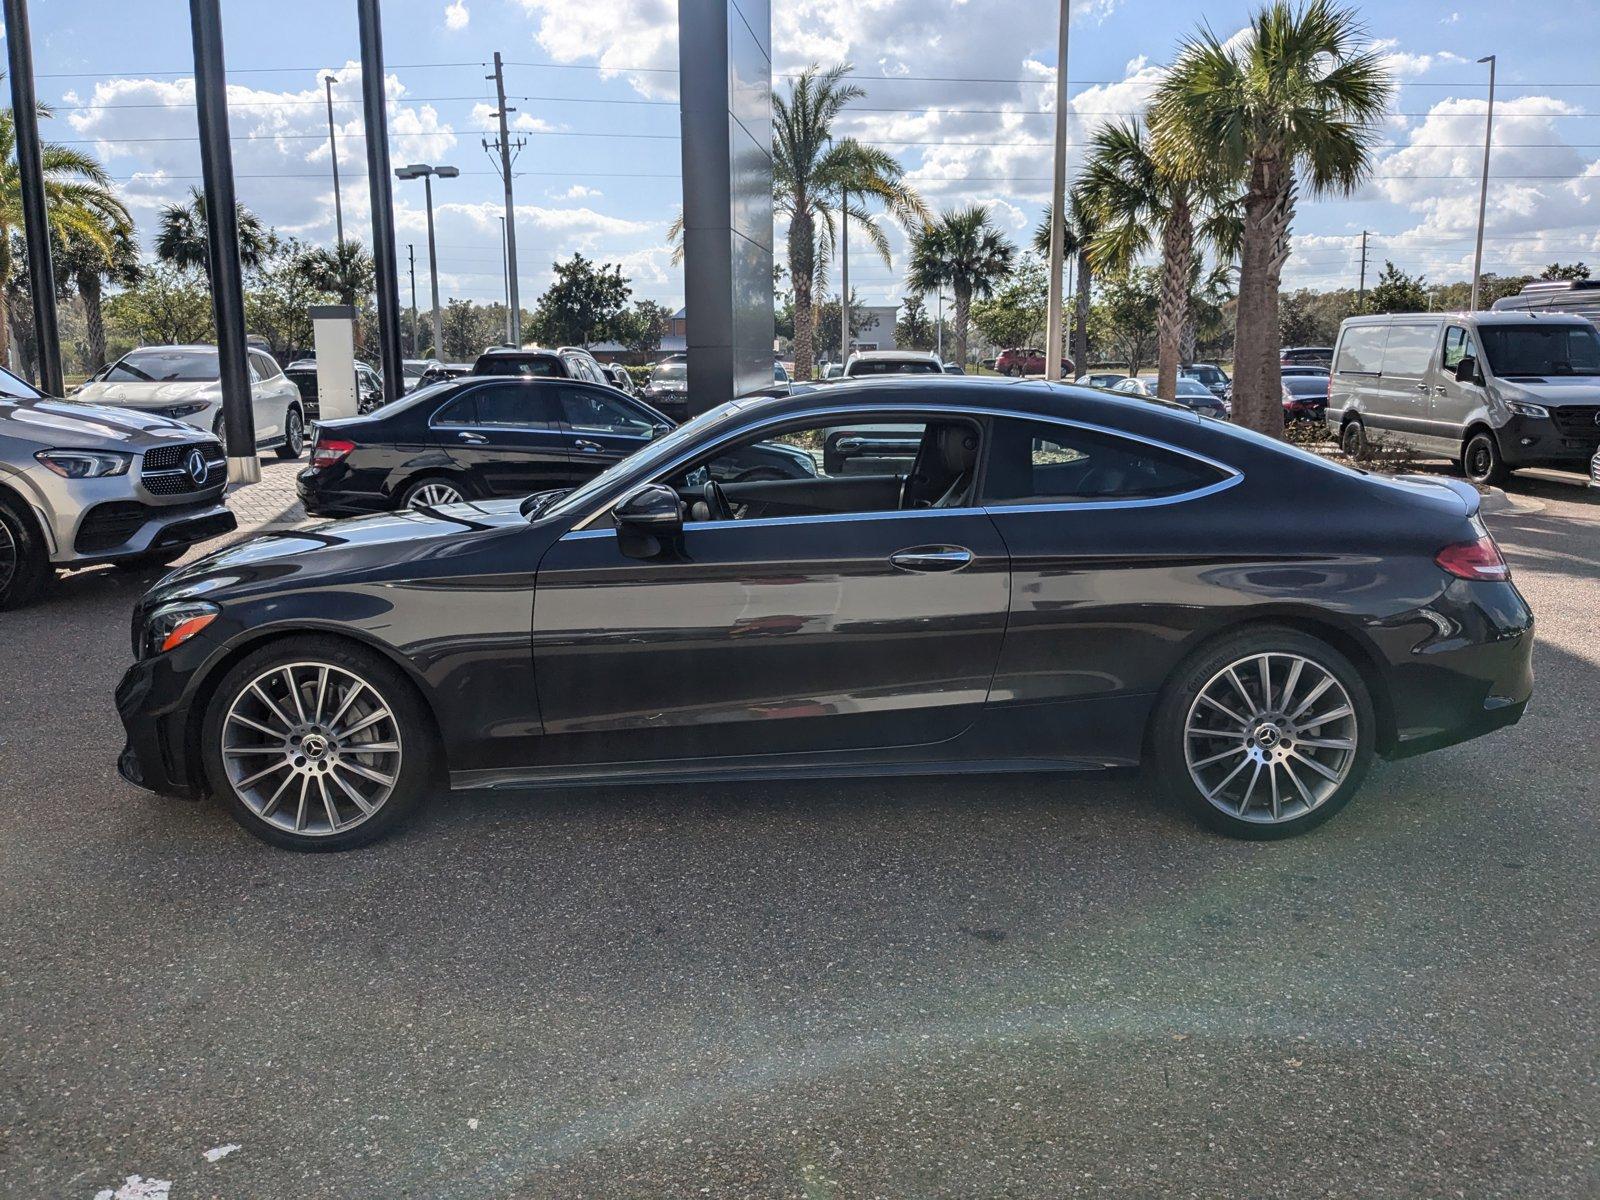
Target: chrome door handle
(587,446)
(472,439)
(932,558)
(1440,390)
(1422,387)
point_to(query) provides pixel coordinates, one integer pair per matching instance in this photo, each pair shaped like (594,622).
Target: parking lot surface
(1017,987)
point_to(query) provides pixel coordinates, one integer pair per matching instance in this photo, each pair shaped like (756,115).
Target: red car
(1030,361)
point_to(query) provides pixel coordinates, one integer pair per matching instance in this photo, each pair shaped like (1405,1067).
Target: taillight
(329,451)
(1474,560)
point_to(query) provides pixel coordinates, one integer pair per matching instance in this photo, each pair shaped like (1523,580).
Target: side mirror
(1467,370)
(649,520)
(659,430)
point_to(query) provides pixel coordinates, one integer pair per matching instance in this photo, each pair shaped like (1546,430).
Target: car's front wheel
(316,744)
(24,561)
(1481,460)
(1265,733)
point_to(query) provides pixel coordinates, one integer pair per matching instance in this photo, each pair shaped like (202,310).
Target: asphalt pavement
(1020,987)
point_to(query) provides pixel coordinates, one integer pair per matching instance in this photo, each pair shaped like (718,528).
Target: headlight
(182,410)
(84,464)
(1523,409)
(172,625)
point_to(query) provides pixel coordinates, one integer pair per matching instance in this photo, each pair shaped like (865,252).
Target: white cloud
(576,192)
(456,15)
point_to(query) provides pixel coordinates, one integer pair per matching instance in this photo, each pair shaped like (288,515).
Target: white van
(1493,390)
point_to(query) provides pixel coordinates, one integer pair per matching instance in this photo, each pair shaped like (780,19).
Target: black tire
(294,434)
(1181,695)
(1014,372)
(1353,438)
(1481,461)
(24,561)
(418,771)
(411,492)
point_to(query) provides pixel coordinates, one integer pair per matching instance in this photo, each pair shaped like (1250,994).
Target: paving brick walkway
(271,503)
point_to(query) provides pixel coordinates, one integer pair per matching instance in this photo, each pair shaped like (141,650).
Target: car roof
(882,355)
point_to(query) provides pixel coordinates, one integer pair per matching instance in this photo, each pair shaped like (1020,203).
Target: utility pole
(844,278)
(1058,205)
(333,156)
(1361,288)
(35,214)
(411,253)
(505,272)
(938,332)
(506,150)
(384,267)
(1483,189)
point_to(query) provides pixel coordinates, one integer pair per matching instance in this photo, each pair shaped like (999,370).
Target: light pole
(333,157)
(1058,207)
(844,278)
(411,254)
(1483,188)
(426,172)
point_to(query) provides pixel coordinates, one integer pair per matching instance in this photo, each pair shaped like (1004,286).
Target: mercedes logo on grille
(197,467)
(1597,416)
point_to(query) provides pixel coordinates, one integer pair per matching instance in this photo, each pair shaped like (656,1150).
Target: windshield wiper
(541,500)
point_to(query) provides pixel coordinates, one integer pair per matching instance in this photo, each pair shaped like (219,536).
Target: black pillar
(385,267)
(35,219)
(222,241)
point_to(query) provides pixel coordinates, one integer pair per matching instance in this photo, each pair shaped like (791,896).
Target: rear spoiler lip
(1471,499)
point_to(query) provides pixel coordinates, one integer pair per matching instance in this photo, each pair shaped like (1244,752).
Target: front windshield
(414,370)
(1192,387)
(670,373)
(13,388)
(644,460)
(1541,349)
(894,367)
(165,366)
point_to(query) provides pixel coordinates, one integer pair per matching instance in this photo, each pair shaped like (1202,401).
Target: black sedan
(1063,580)
(482,437)
(1305,397)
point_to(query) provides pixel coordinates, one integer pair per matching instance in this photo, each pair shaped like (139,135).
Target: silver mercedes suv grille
(183,469)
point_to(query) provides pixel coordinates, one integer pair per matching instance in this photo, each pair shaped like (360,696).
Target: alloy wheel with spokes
(431,493)
(10,556)
(1270,737)
(312,749)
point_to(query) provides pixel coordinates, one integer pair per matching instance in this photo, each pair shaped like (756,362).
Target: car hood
(65,424)
(148,395)
(389,546)
(1550,389)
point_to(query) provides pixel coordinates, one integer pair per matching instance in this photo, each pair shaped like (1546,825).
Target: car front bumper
(1545,441)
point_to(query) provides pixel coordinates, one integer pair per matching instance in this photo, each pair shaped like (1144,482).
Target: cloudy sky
(959,89)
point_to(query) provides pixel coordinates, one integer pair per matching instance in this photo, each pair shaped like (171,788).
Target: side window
(1037,463)
(1361,350)
(1457,345)
(515,406)
(463,410)
(266,366)
(587,411)
(1409,350)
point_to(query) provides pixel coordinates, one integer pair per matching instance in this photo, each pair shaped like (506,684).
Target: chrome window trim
(1233,474)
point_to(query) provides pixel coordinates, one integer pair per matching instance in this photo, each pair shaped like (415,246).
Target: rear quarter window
(1034,462)
(1361,350)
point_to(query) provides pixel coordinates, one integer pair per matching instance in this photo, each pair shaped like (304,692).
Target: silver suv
(81,484)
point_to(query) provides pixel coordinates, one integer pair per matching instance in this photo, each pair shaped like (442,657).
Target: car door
(1406,391)
(866,627)
(603,425)
(505,435)
(1454,401)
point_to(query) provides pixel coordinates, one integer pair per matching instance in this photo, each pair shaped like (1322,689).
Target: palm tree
(961,250)
(1295,104)
(1076,236)
(811,172)
(181,238)
(346,270)
(90,263)
(1139,198)
(78,198)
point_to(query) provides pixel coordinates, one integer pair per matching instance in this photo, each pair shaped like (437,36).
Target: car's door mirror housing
(649,519)
(1467,370)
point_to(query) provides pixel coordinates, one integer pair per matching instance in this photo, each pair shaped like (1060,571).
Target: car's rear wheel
(315,744)
(430,492)
(24,562)
(1014,371)
(1353,438)
(294,433)
(1481,460)
(1265,733)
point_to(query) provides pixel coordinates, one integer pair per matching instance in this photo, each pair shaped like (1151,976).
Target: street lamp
(333,153)
(1483,187)
(426,172)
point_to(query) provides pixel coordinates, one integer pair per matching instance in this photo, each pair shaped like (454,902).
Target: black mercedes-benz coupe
(478,438)
(1061,580)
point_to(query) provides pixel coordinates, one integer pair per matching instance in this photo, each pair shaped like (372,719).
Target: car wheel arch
(1315,623)
(216,669)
